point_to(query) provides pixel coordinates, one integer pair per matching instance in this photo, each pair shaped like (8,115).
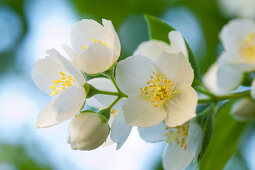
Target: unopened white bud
(88,131)
(243,109)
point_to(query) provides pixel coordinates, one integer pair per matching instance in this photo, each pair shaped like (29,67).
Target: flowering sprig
(159,89)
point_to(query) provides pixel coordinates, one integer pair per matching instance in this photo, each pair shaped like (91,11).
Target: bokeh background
(29,27)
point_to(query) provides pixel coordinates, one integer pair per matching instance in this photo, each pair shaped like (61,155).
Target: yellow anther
(53,87)
(154,105)
(171,84)
(63,78)
(176,91)
(99,41)
(84,47)
(92,39)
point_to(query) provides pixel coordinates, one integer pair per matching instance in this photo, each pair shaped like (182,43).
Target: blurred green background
(28,28)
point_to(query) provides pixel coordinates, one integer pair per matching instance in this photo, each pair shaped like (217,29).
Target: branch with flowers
(158,89)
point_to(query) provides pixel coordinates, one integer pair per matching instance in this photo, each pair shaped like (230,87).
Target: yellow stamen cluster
(247,50)
(158,90)
(178,134)
(62,84)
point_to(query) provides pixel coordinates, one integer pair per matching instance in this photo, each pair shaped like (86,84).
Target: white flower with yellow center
(96,47)
(158,90)
(184,142)
(238,39)
(119,130)
(58,77)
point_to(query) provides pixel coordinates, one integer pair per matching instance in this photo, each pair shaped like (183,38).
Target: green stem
(114,102)
(110,74)
(108,93)
(216,99)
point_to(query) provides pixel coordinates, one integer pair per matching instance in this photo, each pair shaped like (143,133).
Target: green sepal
(90,90)
(105,114)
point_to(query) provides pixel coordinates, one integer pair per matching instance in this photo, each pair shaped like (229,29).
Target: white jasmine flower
(184,142)
(238,8)
(158,90)
(96,47)
(243,109)
(58,77)
(238,39)
(119,130)
(88,131)
(153,48)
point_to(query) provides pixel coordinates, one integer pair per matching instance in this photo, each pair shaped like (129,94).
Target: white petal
(154,133)
(69,67)
(141,113)
(234,33)
(177,43)
(45,71)
(69,51)
(112,38)
(243,109)
(64,106)
(181,107)
(152,49)
(176,158)
(83,31)
(95,59)
(119,130)
(211,81)
(228,78)
(253,89)
(176,68)
(195,137)
(133,73)
(233,60)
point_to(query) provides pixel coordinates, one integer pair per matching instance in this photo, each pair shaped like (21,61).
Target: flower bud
(88,131)
(243,109)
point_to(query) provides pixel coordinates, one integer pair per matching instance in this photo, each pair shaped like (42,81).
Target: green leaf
(224,141)
(207,128)
(159,30)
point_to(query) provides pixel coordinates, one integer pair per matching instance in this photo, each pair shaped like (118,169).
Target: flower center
(62,84)
(158,90)
(247,50)
(98,41)
(178,134)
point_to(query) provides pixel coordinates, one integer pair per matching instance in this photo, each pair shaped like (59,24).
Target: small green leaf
(207,128)
(224,141)
(159,30)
